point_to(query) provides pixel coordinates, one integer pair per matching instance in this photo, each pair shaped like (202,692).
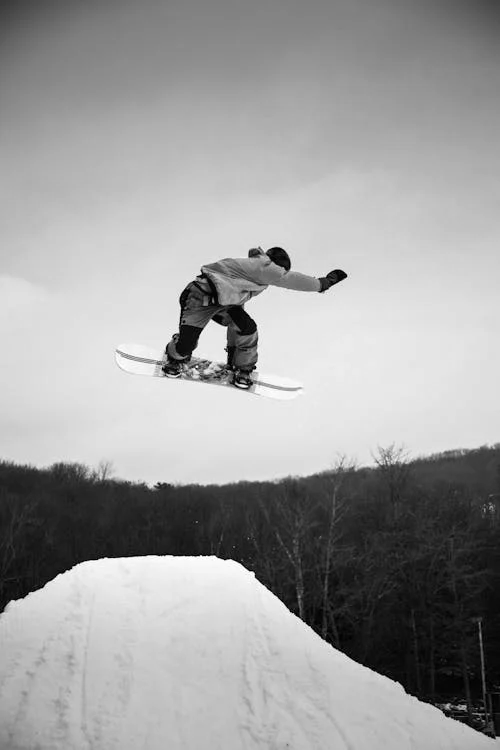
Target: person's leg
(196,312)
(242,339)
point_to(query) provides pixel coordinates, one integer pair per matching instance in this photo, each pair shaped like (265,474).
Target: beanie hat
(280,257)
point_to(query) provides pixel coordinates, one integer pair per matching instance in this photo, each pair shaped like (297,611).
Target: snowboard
(137,359)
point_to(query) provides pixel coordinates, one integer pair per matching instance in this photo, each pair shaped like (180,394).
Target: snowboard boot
(173,366)
(242,379)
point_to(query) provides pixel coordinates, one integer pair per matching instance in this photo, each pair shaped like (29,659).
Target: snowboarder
(220,292)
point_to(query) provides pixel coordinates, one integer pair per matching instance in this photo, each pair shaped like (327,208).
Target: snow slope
(171,653)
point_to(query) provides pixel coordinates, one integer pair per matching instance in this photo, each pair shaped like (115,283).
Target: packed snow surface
(173,653)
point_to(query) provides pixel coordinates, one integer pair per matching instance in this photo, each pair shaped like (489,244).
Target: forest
(394,564)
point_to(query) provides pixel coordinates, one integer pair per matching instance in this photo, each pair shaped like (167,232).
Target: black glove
(331,278)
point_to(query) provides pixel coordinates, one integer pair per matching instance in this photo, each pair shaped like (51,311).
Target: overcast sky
(139,141)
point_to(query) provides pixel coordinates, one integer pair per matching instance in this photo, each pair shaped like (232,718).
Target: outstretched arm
(302,283)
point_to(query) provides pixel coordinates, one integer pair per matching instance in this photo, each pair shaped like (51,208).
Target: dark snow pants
(197,309)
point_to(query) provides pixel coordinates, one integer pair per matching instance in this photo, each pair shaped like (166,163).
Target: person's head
(280,257)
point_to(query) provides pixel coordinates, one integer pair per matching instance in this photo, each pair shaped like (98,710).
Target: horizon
(399,451)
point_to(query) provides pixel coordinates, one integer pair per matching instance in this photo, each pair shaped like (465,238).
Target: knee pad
(249,328)
(241,319)
(222,319)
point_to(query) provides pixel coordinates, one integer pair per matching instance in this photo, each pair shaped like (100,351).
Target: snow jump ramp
(173,653)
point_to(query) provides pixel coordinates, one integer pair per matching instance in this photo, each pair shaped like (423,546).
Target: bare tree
(15,515)
(336,503)
(290,515)
(394,467)
(103,471)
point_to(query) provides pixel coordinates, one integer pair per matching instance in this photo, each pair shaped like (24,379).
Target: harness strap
(211,286)
(204,288)
(200,287)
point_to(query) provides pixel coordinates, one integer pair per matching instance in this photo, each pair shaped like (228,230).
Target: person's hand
(331,278)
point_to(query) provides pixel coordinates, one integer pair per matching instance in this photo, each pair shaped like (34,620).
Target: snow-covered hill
(179,653)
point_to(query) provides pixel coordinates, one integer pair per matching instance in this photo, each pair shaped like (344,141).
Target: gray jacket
(237,280)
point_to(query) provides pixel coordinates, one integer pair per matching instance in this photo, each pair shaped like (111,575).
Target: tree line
(391,564)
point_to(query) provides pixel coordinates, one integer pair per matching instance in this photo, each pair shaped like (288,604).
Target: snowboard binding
(242,379)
